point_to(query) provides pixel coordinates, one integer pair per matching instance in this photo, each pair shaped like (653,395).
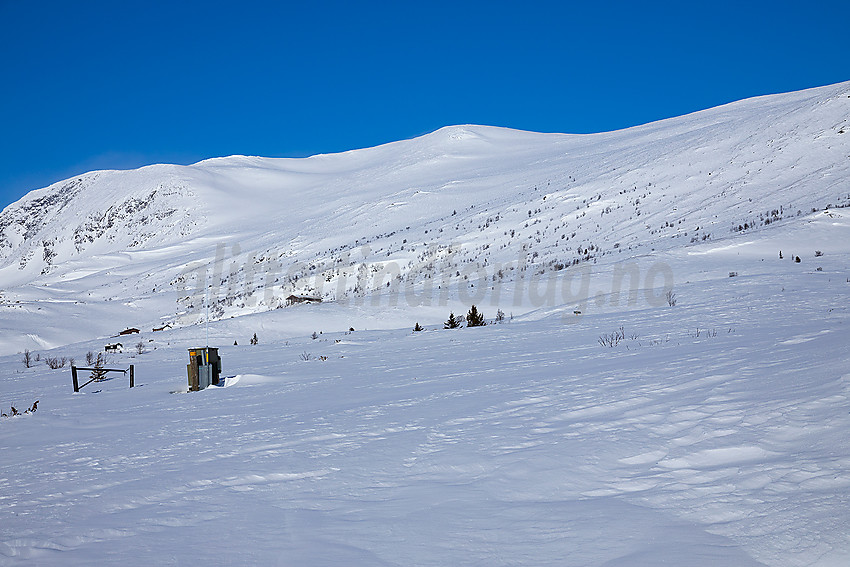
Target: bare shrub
(14,411)
(612,339)
(699,332)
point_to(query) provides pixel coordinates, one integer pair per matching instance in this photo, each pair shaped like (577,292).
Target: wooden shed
(296,299)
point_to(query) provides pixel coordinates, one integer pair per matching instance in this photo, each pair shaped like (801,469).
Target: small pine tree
(417,328)
(500,316)
(98,373)
(255,340)
(475,318)
(452,323)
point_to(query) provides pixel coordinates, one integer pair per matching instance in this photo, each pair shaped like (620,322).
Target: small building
(129,331)
(204,368)
(116,347)
(164,327)
(296,299)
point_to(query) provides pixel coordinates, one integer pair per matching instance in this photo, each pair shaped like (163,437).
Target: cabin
(129,331)
(117,347)
(164,327)
(296,299)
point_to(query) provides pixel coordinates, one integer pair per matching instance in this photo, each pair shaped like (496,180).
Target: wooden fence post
(194,386)
(132,381)
(74,377)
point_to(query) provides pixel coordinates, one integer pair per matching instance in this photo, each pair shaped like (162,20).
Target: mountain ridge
(486,196)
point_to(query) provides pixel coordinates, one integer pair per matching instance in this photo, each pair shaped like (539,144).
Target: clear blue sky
(93,85)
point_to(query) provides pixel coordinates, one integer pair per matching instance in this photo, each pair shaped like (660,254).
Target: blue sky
(99,85)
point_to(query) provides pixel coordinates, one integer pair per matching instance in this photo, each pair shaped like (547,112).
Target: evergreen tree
(254,339)
(417,327)
(98,373)
(452,323)
(474,318)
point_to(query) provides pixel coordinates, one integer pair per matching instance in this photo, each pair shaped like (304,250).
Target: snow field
(521,443)
(712,432)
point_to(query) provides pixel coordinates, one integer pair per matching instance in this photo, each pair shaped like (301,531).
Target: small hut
(296,299)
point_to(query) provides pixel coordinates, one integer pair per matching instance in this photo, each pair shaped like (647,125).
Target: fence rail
(76,382)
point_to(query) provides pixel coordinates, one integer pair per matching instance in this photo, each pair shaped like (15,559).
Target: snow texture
(709,432)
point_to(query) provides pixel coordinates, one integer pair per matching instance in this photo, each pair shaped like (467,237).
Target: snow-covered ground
(713,433)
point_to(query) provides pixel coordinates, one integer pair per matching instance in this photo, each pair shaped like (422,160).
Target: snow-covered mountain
(669,386)
(462,204)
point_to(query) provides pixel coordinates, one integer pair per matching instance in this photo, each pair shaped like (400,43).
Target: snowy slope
(425,215)
(714,432)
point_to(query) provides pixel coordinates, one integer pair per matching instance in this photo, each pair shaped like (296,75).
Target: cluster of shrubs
(818,254)
(14,410)
(473,318)
(53,362)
